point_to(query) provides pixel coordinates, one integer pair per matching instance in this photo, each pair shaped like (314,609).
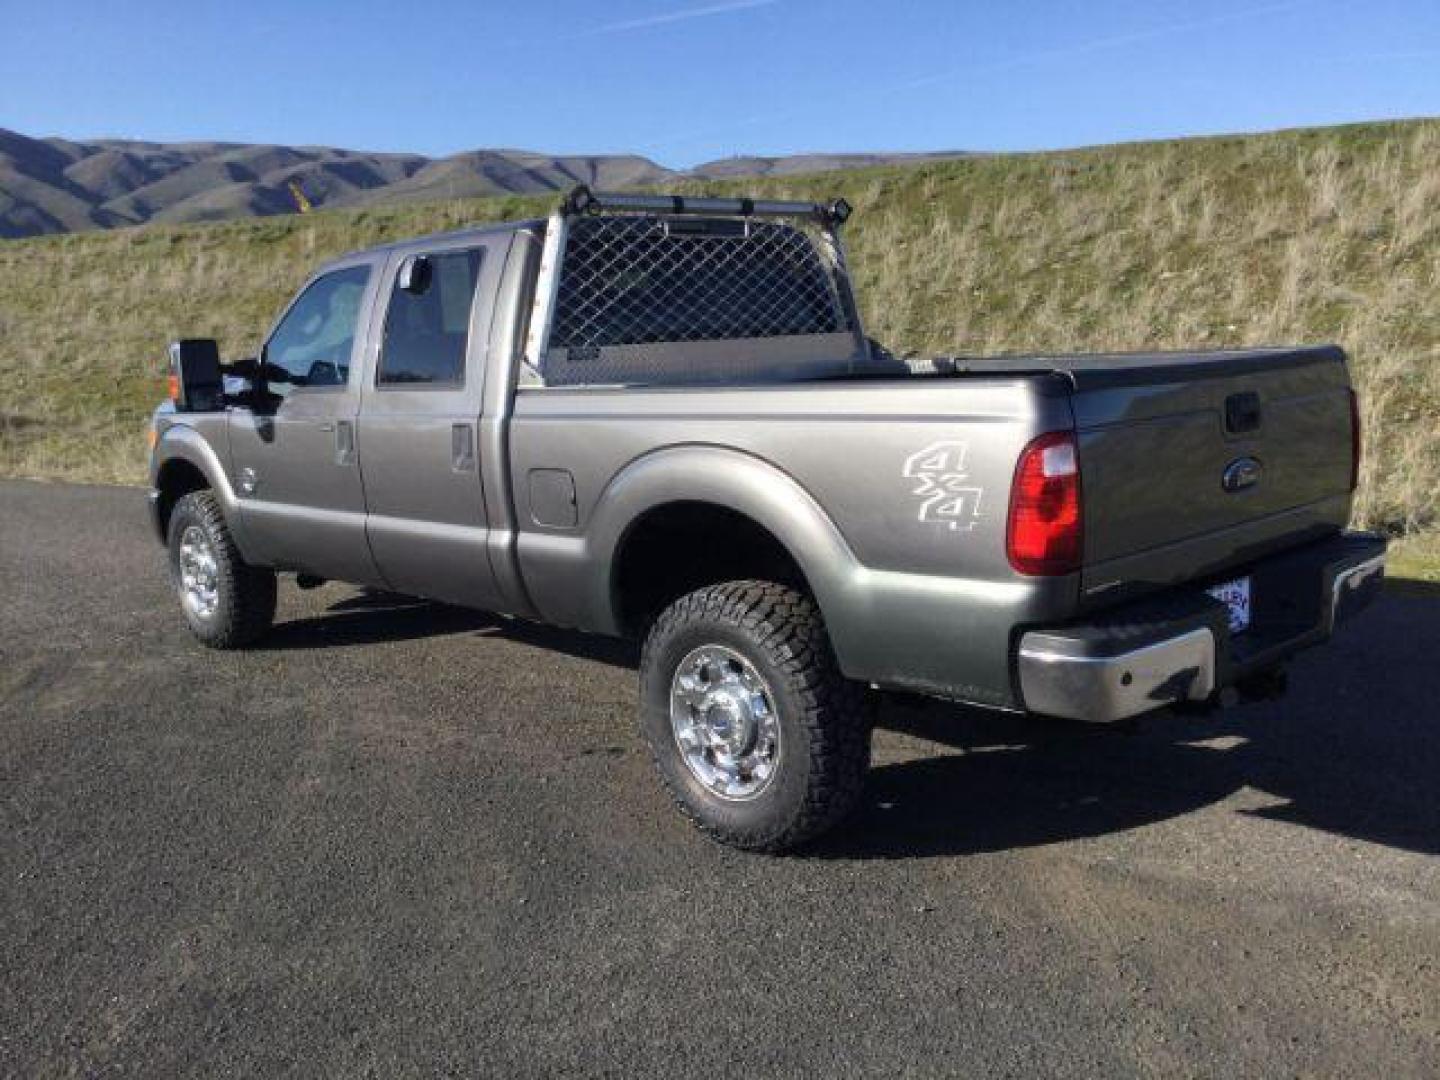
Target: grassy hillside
(1330,234)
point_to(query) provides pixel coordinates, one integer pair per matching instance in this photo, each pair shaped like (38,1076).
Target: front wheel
(762,742)
(227,602)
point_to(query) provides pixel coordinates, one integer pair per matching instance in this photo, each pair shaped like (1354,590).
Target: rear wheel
(759,738)
(226,602)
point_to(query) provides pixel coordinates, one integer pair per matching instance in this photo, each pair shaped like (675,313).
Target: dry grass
(1330,234)
(84,320)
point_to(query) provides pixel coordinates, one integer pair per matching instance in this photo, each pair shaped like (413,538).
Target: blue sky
(684,81)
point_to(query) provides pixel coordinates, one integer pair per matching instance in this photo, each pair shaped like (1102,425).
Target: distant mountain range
(60,185)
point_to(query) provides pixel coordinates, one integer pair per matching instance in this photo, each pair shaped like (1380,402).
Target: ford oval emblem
(1240,474)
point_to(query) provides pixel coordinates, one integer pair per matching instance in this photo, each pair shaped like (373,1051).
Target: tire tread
(835,711)
(248,593)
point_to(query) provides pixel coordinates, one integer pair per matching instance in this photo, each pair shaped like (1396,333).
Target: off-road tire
(245,607)
(825,719)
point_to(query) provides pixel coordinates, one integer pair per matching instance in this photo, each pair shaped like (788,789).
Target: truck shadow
(374,616)
(1354,749)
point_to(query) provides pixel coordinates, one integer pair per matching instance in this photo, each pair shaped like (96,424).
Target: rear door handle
(462,447)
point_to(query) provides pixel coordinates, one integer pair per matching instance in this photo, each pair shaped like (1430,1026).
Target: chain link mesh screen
(645,280)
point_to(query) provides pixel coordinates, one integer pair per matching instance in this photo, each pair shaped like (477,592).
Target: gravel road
(399,838)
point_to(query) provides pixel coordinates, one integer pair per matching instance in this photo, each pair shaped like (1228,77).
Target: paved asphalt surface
(399,838)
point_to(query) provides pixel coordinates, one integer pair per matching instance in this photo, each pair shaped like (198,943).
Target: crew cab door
(419,423)
(294,459)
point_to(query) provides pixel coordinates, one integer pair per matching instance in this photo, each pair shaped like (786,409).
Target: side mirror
(415,275)
(241,381)
(195,380)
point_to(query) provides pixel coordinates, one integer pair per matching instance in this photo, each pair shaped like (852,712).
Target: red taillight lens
(1354,440)
(1045,530)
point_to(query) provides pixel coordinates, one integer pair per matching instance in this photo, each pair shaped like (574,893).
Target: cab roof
(419,244)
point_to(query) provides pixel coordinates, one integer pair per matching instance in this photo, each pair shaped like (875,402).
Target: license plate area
(1235,595)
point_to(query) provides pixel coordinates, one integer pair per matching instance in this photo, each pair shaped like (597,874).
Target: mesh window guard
(646,280)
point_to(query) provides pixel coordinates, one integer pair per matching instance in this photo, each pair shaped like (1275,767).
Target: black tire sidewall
(216,625)
(783,801)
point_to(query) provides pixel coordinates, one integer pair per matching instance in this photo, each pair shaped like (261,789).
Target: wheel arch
(677,547)
(767,509)
(184,461)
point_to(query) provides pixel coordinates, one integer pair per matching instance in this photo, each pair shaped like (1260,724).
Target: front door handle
(344,442)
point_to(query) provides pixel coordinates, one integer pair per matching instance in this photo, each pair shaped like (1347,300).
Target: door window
(427,328)
(312,344)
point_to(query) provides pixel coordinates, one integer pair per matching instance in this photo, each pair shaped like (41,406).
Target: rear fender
(938,634)
(575,575)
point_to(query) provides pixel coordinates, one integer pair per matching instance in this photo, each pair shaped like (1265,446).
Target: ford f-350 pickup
(661,417)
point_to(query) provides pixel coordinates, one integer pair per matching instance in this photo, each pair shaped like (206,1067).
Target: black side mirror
(415,273)
(195,381)
(242,381)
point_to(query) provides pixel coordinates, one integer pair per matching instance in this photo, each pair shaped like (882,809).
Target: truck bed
(1192,465)
(1156,441)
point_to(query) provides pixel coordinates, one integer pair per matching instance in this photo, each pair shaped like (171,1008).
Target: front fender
(180,442)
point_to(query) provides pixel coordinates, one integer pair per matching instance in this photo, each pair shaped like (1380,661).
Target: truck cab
(391,336)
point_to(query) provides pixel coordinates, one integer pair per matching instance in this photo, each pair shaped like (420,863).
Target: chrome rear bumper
(1180,649)
(1058,678)
(1354,588)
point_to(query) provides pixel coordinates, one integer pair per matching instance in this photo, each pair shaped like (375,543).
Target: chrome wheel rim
(722,714)
(199,573)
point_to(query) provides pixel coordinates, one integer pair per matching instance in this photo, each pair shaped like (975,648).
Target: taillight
(1045,531)
(1354,440)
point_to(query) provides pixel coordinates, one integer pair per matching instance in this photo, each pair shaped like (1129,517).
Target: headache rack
(581,200)
(682,289)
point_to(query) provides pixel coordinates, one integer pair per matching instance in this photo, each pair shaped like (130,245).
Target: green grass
(1317,235)
(1415,558)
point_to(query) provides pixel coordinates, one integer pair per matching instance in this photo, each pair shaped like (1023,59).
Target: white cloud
(681,16)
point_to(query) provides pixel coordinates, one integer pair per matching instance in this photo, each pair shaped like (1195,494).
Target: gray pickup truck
(660,417)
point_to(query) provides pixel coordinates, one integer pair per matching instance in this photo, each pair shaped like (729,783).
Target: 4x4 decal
(942,483)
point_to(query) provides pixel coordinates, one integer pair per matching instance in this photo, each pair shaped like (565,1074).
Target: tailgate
(1192,464)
